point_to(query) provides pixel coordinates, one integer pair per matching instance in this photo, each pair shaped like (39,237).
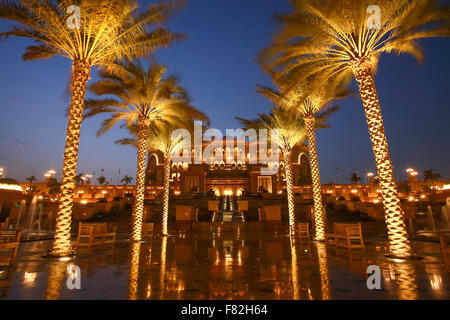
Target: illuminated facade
(227,176)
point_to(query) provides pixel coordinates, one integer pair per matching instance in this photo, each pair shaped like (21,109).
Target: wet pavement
(228,265)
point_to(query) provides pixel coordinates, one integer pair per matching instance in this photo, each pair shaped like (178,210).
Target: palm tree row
(108,30)
(292,131)
(335,39)
(151,106)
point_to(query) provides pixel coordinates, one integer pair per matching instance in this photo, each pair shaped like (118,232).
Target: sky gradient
(217,66)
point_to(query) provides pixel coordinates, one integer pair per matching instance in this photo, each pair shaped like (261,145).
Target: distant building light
(10,187)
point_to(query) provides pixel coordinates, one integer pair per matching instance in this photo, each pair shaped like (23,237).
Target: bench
(93,234)
(347,235)
(9,240)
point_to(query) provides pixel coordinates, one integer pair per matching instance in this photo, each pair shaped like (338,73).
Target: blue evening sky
(217,65)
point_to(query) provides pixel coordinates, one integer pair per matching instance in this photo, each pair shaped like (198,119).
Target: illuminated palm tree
(308,100)
(144,99)
(161,138)
(338,38)
(291,131)
(92,33)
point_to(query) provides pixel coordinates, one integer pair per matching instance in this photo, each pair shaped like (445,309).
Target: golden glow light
(228,193)
(446,187)
(10,187)
(84,202)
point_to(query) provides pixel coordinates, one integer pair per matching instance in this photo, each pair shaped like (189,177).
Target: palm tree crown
(139,95)
(332,37)
(107,30)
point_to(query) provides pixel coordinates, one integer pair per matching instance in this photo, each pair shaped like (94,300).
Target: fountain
(37,223)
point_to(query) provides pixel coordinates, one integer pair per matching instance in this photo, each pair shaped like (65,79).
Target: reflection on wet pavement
(223,266)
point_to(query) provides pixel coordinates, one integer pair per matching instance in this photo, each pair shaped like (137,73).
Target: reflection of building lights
(64,259)
(436,282)
(84,202)
(10,187)
(29,277)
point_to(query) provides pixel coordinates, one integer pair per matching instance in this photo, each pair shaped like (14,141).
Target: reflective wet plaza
(227,265)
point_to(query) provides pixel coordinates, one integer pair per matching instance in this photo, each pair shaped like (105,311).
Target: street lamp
(50,173)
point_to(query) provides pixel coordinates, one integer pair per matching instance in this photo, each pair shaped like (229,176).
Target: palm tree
(127,180)
(106,31)
(79,179)
(291,131)
(354,178)
(308,99)
(53,186)
(101,180)
(144,98)
(160,138)
(431,176)
(333,39)
(31,179)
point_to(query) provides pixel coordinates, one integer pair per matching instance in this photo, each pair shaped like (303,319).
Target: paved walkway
(230,265)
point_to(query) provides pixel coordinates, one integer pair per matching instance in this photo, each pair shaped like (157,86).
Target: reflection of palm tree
(56,273)
(162,282)
(323,269)
(143,98)
(133,277)
(406,280)
(294,270)
(105,31)
(332,39)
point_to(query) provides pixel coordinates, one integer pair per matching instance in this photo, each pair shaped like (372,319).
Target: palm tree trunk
(138,208)
(290,189)
(319,219)
(294,270)
(61,244)
(397,233)
(165,218)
